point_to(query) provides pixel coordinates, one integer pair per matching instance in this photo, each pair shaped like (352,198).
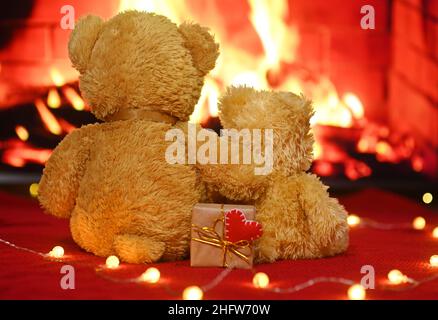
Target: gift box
(223,235)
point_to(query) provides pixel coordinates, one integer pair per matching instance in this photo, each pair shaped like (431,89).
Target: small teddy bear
(299,218)
(142,75)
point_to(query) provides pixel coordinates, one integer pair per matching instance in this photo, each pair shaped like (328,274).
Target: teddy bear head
(287,114)
(140,60)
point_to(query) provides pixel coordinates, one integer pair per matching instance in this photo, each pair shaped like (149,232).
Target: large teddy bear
(142,75)
(299,218)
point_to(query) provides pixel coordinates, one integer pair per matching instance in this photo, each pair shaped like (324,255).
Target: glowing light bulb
(356,292)
(353,220)
(434,260)
(427,197)
(260,280)
(151,275)
(435,232)
(57,252)
(193,293)
(396,277)
(112,262)
(419,223)
(33,189)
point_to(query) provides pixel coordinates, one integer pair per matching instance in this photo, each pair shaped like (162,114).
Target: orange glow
(417,163)
(53,99)
(18,153)
(383,148)
(324,168)
(57,78)
(74,98)
(354,104)
(22,133)
(66,126)
(47,117)
(362,145)
(317,150)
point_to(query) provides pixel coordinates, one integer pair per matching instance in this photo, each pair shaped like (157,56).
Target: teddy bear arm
(233,181)
(62,174)
(327,218)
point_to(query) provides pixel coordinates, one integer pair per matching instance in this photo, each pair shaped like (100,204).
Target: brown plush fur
(299,218)
(112,179)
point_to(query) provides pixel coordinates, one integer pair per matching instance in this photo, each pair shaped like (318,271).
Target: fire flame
(342,112)
(53,99)
(48,118)
(74,98)
(22,133)
(17,153)
(57,78)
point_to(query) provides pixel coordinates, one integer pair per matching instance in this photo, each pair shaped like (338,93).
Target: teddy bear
(299,218)
(142,75)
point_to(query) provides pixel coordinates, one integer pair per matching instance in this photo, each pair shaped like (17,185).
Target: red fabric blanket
(24,275)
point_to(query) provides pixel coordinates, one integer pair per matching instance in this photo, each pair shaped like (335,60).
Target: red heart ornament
(237,227)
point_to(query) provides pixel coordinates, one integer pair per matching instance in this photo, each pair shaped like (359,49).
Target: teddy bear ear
(82,40)
(201,44)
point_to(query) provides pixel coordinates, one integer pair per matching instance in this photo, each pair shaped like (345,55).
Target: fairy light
(427,197)
(260,280)
(419,223)
(112,262)
(356,292)
(151,275)
(353,220)
(33,189)
(434,260)
(57,252)
(435,232)
(396,277)
(193,293)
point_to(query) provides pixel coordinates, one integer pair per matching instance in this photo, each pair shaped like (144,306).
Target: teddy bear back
(140,60)
(287,114)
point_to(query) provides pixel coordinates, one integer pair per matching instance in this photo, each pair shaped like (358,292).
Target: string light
(193,293)
(57,252)
(356,292)
(33,189)
(112,262)
(427,197)
(396,277)
(434,260)
(435,232)
(419,223)
(260,280)
(151,275)
(353,220)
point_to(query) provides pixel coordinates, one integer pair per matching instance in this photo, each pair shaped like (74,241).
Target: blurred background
(375,91)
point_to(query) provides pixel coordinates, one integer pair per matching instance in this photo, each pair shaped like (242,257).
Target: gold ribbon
(209,235)
(153,115)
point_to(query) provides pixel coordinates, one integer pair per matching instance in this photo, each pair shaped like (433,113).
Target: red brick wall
(357,60)
(413,81)
(40,43)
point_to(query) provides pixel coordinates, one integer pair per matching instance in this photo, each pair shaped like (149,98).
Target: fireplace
(375,91)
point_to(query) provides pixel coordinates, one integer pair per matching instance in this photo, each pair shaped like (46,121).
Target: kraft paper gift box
(212,245)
